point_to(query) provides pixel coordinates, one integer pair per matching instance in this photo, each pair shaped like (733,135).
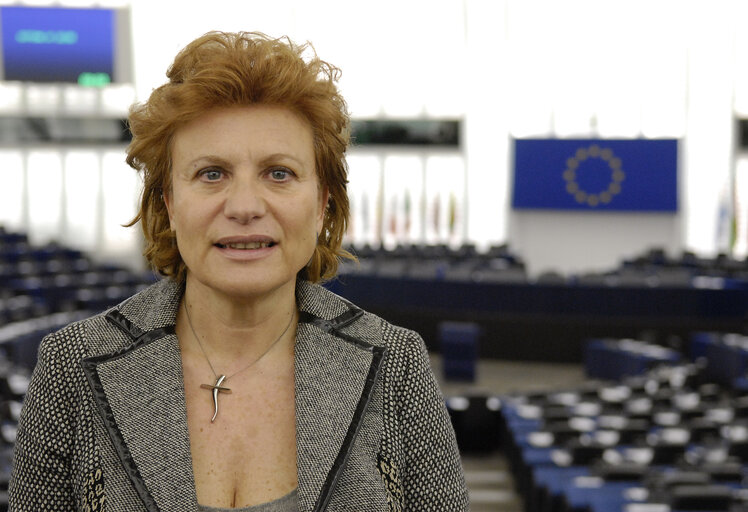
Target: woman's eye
(280,174)
(211,174)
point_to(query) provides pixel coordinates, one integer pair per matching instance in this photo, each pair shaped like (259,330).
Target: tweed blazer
(104,422)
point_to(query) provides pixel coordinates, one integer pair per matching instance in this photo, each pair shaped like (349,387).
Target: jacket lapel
(139,394)
(336,374)
(335,379)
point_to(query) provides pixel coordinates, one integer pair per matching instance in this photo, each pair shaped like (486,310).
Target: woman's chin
(246,287)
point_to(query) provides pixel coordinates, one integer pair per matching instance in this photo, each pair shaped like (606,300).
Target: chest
(248,454)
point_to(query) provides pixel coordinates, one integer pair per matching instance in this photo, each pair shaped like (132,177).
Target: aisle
(490,484)
(489,480)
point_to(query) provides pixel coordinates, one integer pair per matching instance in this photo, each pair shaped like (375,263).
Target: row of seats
(659,433)
(500,265)
(612,359)
(725,357)
(655,268)
(41,280)
(43,287)
(720,266)
(438,262)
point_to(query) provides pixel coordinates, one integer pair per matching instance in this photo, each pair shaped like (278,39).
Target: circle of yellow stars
(616,178)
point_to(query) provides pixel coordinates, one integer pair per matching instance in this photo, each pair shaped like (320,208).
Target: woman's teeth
(248,245)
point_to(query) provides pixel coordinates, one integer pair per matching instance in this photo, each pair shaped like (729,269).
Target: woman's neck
(234,330)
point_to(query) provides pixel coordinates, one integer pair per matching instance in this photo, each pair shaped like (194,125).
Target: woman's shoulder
(98,333)
(344,317)
(72,335)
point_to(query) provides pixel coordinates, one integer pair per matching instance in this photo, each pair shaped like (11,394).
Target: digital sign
(55,44)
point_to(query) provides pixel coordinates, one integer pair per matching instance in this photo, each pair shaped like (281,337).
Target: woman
(236,382)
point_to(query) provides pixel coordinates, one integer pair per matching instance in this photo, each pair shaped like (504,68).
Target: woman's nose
(244,200)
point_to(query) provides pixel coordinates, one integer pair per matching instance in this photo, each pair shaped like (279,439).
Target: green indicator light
(94,79)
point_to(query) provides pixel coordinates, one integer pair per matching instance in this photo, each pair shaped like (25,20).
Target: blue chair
(458,342)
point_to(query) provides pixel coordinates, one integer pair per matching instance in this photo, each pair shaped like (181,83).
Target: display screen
(52,44)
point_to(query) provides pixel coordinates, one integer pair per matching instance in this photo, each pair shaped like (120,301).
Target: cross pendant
(216,388)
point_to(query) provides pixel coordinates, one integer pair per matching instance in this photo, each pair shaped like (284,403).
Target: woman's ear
(324,197)
(166,196)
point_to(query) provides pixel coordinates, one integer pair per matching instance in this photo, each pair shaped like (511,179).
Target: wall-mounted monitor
(87,46)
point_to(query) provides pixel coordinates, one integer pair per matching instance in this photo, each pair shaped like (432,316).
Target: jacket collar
(139,393)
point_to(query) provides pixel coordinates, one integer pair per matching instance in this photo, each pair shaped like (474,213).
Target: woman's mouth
(245,245)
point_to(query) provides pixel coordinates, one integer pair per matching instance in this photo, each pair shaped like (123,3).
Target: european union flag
(596,174)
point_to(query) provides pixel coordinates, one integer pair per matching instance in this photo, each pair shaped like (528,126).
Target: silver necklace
(220,379)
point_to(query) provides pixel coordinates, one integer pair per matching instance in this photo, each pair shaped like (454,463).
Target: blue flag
(596,174)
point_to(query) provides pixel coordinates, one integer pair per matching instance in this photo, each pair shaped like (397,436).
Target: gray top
(287,503)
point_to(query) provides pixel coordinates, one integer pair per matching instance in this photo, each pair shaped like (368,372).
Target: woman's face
(245,201)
